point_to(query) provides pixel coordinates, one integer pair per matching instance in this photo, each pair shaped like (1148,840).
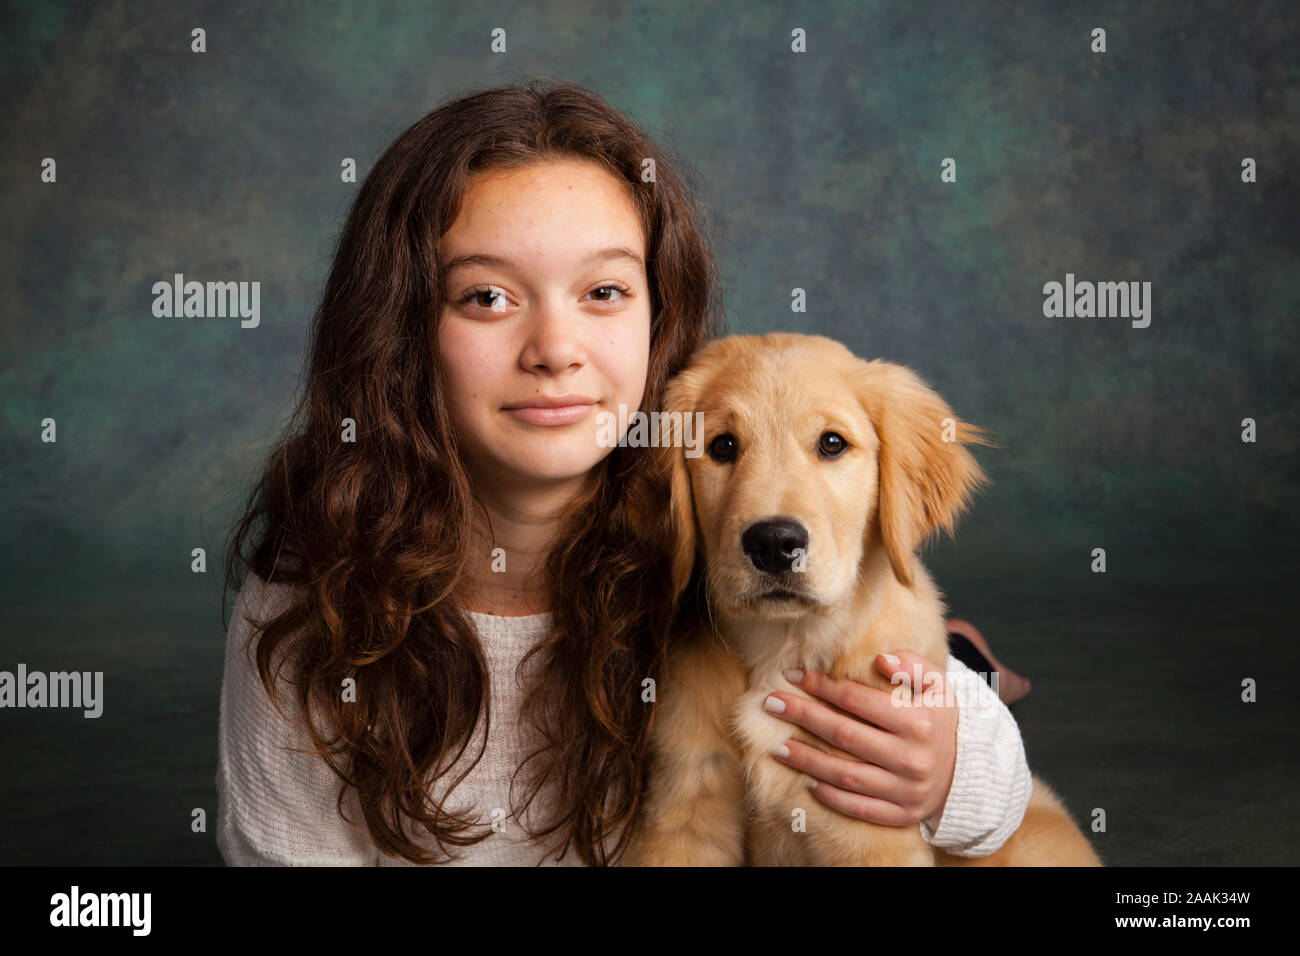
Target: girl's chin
(558,467)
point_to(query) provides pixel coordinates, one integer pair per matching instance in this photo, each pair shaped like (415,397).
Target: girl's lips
(558,415)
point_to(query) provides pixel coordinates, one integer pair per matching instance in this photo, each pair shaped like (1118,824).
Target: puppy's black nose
(770,545)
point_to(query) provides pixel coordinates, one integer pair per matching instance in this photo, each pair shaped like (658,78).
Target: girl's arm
(274,807)
(991,783)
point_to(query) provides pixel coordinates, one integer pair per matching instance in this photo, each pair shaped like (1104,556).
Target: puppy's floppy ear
(925,481)
(665,512)
(680,397)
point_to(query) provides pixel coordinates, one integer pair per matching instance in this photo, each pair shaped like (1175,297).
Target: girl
(443,569)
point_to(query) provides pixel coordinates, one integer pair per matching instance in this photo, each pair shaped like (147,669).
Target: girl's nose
(554,340)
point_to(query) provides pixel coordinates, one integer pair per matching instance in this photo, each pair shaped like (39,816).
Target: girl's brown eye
(475,294)
(622,293)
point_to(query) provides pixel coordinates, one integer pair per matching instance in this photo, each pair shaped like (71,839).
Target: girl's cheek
(472,356)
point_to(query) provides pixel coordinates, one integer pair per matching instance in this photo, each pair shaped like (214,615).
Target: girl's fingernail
(812,783)
(794,675)
(775,704)
(782,751)
(893,660)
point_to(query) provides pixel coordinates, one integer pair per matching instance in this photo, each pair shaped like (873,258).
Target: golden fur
(716,796)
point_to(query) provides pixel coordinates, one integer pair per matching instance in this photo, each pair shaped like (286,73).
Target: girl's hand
(906,754)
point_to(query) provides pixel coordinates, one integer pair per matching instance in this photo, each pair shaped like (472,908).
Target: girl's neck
(504,570)
(512,592)
(510,612)
(508,605)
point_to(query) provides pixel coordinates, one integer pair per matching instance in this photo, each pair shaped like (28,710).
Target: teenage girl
(440,567)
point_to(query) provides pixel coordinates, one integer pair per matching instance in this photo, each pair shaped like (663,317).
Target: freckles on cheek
(470,362)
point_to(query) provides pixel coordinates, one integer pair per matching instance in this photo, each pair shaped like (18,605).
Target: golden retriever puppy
(815,477)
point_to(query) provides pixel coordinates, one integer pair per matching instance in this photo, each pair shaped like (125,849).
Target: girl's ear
(927,477)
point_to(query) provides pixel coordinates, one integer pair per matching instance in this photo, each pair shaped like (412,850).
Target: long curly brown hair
(373,533)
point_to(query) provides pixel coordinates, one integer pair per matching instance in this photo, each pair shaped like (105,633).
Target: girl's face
(546,296)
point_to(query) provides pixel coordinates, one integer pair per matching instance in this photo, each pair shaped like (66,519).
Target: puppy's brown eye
(832,445)
(723,448)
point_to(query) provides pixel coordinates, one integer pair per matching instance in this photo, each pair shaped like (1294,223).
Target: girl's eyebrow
(600,255)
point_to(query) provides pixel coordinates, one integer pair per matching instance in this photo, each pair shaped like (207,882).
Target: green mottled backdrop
(821,171)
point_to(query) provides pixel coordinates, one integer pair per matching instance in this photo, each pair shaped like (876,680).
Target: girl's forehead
(530,224)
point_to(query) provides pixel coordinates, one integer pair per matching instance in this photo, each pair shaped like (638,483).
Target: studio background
(819,170)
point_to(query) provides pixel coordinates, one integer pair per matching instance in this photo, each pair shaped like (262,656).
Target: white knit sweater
(278,808)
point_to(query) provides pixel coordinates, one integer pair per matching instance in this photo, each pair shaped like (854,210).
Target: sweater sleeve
(274,807)
(991,782)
